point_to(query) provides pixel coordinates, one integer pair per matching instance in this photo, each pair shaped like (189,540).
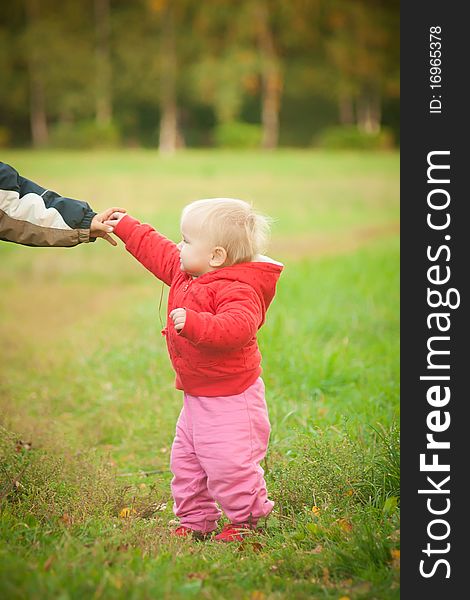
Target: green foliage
(327,468)
(351,138)
(237,134)
(84,135)
(320,470)
(381,482)
(222,55)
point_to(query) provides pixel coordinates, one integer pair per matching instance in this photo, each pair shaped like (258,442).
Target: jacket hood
(261,274)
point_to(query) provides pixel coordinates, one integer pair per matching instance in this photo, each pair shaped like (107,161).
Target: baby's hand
(179,318)
(114,218)
(101,227)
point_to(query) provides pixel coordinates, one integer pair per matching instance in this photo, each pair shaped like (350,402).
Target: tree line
(172,73)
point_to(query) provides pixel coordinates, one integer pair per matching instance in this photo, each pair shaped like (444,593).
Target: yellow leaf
(345,524)
(395,558)
(315,510)
(127,512)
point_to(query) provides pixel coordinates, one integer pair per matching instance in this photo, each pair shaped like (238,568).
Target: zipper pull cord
(160,305)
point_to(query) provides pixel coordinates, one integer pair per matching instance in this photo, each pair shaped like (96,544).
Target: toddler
(220,290)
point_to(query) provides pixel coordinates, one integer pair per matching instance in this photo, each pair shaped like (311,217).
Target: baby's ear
(219,256)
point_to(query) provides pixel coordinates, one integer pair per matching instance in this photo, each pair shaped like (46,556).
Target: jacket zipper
(187,285)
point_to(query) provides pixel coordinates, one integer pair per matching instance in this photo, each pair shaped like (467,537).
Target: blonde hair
(232,224)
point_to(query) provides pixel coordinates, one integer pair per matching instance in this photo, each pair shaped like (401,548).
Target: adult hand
(98,228)
(178,315)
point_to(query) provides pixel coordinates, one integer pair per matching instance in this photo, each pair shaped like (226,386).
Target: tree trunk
(103,63)
(37,101)
(345,109)
(168,140)
(37,105)
(369,113)
(271,80)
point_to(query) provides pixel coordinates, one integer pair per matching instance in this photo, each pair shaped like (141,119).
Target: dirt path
(310,246)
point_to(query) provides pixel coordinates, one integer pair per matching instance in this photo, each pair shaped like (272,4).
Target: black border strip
(423,132)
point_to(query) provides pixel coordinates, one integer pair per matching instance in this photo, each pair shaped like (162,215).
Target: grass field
(85,378)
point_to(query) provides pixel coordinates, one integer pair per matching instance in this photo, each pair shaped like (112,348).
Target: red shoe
(183,531)
(234,532)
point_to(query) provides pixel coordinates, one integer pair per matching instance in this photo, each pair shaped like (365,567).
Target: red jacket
(216,352)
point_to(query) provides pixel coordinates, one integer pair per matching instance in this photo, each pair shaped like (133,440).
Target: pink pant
(215,457)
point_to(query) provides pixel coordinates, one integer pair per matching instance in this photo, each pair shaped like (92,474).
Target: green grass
(85,377)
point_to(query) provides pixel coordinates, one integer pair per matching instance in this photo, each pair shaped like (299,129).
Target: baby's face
(195,252)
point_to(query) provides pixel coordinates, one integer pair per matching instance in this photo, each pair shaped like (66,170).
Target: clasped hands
(103,223)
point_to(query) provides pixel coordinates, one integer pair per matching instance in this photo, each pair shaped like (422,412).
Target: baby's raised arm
(153,250)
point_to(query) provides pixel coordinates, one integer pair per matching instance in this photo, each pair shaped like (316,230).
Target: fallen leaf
(316,511)
(390,505)
(395,559)
(127,512)
(197,575)
(66,520)
(20,445)
(257,595)
(48,563)
(313,528)
(345,524)
(257,547)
